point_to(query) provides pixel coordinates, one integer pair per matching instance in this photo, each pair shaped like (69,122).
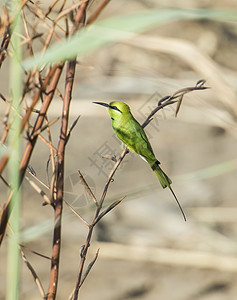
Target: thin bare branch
(33,174)
(71,129)
(88,239)
(95,15)
(59,180)
(52,154)
(108,209)
(33,273)
(87,188)
(40,130)
(35,252)
(39,191)
(179,104)
(77,214)
(29,147)
(117,164)
(91,264)
(168,100)
(48,143)
(29,266)
(5,182)
(68,10)
(5,44)
(51,7)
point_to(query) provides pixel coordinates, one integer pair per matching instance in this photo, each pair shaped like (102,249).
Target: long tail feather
(165,181)
(179,205)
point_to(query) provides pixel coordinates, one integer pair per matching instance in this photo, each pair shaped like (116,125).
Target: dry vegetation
(139,248)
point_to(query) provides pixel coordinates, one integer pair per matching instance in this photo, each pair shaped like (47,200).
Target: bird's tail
(163,178)
(165,181)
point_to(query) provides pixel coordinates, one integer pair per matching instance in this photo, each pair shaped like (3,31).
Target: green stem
(14,149)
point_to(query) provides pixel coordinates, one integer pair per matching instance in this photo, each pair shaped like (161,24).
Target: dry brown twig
(30,267)
(177,97)
(58,201)
(97,216)
(33,273)
(44,88)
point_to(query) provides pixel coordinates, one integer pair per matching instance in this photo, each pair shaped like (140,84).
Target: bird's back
(131,133)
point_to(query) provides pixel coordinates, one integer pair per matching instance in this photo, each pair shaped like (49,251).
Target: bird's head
(116,109)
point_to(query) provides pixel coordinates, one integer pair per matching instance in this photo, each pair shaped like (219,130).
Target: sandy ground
(197,153)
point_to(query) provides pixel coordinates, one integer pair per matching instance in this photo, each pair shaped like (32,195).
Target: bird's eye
(115,108)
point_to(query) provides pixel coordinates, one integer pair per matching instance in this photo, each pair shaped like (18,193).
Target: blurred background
(147,251)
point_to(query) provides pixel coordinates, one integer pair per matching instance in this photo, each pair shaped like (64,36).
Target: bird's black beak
(102,103)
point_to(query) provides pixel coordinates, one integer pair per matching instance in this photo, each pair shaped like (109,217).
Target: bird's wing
(144,147)
(139,143)
(133,135)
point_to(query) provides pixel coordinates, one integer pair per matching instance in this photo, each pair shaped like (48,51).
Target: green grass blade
(14,150)
(118,28)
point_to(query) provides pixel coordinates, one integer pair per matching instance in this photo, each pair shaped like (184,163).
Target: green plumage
(131,133)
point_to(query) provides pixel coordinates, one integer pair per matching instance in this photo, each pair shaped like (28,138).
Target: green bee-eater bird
(131,133)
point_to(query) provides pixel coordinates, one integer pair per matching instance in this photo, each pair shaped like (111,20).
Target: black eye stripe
(115,108)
